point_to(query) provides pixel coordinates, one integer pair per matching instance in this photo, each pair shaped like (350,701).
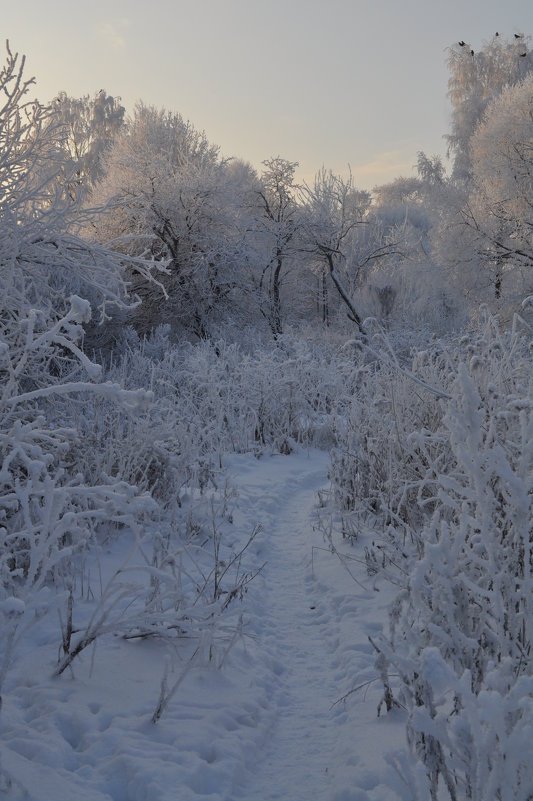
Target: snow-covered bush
(48,511)
(377,463)
(212,398)
(461,629)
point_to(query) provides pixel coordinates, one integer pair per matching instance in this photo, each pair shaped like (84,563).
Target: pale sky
(331,83)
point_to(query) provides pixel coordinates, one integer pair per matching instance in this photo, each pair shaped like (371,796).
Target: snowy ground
(268,725)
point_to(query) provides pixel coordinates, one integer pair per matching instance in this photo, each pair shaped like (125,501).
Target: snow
(158,639)
(270,723)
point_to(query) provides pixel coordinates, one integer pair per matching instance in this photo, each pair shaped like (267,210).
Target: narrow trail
(269,724)
(299,635)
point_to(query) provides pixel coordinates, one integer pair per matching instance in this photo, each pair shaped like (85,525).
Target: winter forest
(265,442)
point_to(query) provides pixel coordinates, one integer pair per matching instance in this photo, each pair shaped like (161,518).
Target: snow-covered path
(309,604)
(298,636)
(266,726)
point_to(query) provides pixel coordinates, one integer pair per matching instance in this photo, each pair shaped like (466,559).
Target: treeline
(236,247)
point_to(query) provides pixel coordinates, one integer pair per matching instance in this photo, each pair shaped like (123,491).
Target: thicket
(447,471)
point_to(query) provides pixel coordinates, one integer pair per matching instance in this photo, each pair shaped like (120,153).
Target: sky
(357,84)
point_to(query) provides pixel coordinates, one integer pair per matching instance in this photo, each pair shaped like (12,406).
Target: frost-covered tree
(472,246)
(500,209)
(477,78)
(170,185)
(276,224)
(483,235)
(88,126)
(348,240)
(333,208)
(408,210)
(44,258)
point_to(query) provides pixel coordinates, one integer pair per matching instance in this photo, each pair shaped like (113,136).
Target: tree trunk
(353,316)
(276,296)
